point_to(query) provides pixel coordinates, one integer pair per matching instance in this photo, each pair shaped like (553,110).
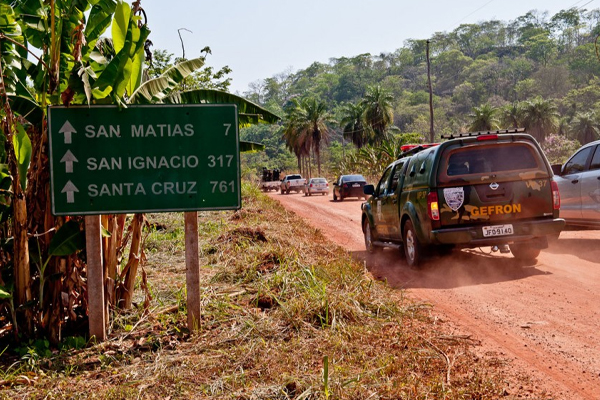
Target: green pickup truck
(473,190)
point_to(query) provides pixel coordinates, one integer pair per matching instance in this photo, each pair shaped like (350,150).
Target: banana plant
(69,67)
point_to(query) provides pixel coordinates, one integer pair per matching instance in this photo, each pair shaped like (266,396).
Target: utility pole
(431,131)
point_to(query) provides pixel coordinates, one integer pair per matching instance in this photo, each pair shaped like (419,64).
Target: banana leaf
(248,112)
(23,149)
(67,240)
(251,147)
(155,90)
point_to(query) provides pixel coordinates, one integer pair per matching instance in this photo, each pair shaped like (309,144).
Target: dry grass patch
(285,315)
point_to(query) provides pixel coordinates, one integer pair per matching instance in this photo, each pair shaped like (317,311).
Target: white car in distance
(316,185)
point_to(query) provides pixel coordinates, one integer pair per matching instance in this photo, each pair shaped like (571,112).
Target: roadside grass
(285,315)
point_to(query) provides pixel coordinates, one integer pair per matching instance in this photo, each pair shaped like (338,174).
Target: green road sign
(106,160)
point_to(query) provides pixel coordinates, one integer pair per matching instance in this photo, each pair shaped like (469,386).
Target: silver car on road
(579,187)
(316,185)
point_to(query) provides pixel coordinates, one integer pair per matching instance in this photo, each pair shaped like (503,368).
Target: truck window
(479,160)
(398,171)
(383,182)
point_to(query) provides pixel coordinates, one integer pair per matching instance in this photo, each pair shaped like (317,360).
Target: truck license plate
(356,185)
(498,230)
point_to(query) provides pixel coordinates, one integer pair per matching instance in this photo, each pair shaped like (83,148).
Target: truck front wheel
(368,232)
(413,250)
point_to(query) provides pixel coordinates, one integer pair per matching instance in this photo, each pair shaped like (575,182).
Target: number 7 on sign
(227,130)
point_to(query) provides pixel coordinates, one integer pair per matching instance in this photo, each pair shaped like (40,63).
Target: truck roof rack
(498,132)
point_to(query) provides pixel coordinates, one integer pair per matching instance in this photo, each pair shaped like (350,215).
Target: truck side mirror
(368,189)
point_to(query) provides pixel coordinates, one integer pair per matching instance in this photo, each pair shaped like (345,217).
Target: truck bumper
(473,236)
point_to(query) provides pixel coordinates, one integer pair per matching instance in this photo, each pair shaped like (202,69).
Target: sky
(262,38)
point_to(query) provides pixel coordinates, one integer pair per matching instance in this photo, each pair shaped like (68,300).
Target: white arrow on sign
(70,189)
(68,130)
(68,159)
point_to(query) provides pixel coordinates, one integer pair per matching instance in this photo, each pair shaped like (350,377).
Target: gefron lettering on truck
(496,209)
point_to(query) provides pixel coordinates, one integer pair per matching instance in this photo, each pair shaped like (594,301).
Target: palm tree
(307,121)
(352,124)
(585,127)
(294,142)
(511,116)
(484,118)
(378,113)
(540,117)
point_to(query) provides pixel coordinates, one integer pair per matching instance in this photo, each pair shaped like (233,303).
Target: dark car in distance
(349,186)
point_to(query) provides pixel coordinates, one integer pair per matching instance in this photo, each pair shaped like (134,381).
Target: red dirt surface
(543,318)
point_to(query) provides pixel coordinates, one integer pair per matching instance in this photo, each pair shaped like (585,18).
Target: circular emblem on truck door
(494,186)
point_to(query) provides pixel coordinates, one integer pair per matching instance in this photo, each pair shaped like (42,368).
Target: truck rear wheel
(524,251)
(413,250)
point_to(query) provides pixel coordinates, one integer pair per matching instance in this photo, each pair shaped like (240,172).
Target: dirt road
(543,318)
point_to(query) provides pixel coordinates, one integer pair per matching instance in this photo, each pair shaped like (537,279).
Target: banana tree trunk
(130,271)
(21,253)
(110,258)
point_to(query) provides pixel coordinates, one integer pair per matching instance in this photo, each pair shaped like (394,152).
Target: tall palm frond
(378,112)
(352,124)
(307,121)
(483,118)
(540,117)
(585,127)
(512,116)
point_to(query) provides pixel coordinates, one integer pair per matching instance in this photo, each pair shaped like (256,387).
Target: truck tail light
(487,137)
(555,195)
(433,208)
(345,185)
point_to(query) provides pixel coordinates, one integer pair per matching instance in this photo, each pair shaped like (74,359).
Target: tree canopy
(539,72)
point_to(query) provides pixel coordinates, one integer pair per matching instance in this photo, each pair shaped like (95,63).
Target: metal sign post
(95,277)
(192,270)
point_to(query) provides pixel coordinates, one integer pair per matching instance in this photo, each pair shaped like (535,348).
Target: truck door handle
(577,180)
